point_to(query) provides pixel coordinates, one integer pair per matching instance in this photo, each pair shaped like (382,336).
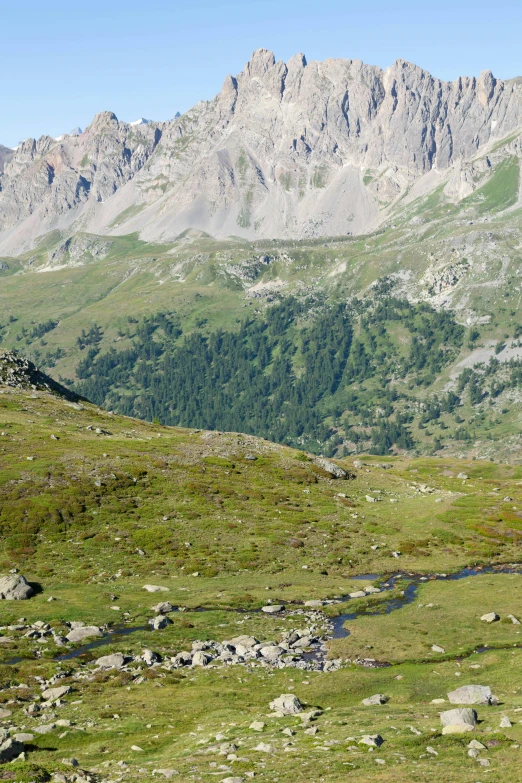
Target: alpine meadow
(261,435)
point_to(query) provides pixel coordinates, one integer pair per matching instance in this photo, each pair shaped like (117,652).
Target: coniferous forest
(309,375)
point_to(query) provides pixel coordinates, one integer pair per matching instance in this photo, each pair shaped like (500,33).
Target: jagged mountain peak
(297,149)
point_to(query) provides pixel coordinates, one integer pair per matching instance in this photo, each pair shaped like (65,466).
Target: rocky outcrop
(18,372)
(296,149)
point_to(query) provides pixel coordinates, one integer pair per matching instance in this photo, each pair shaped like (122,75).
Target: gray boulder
(458,721)
(84,632)
(52,694)
(286,704)
(379,698)
(471,694)
(490,617)
(114,661)
(15,587)
(164,607)
(273,609)
(330,467)
(201,659)
(372,740)
(160,622)
(10,749)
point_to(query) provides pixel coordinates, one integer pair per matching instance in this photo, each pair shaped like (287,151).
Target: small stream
(387,583)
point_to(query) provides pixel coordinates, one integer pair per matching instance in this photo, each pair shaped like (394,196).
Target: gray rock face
(15,588)
(296,149)
(471,694)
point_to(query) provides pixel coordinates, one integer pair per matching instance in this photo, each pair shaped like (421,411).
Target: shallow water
(339,630)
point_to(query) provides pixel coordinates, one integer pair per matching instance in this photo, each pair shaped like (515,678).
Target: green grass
(78,539)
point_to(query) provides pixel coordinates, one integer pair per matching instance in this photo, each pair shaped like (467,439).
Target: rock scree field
(210,606)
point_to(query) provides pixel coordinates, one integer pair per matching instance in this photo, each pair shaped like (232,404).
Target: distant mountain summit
(297,150)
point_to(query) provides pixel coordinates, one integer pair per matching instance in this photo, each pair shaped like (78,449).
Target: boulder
(458,721)
(513,619)
(201,659)
(10,749)
(505,723)
(164,607)
(5,713)
(330,467)
(471,694)
(15,587)
(264,748)
(273,609)
(287,704)
(150,657)
(272,652)
(52,694)
(379,698)
(490,617)
(114,661)
(84,632)
(159,622)
(372,740)
(257,725)
(246,641)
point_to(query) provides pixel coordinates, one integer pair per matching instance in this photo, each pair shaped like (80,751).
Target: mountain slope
(285,150)
(94,507)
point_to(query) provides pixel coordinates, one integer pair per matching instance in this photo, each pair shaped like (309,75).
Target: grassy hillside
(94,506)
(297,341)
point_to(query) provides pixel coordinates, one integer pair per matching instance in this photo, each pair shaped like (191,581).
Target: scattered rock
(505,723)
(490,617)
(513,619)
(437,648)
(476,744)
(273,608)
(257,725)
(264,748)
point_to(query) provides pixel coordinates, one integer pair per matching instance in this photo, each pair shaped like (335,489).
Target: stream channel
(386,583)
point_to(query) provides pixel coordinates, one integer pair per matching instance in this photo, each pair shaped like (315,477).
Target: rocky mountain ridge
(296,150)
(18,372)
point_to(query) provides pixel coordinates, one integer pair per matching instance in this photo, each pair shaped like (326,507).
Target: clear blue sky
(63,62)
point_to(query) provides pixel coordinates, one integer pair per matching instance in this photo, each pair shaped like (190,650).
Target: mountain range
(285,150)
